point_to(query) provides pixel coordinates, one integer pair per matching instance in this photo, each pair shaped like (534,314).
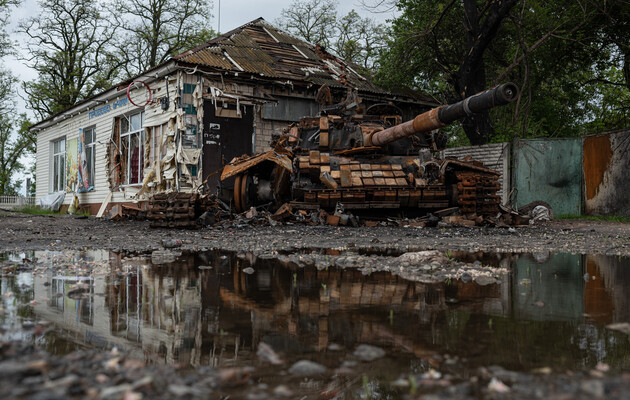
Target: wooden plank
(314,157)
(104,205)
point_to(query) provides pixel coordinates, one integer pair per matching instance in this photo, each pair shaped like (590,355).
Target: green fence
(549,170)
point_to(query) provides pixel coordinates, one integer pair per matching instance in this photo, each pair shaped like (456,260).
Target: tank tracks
(174,210)
(477,192)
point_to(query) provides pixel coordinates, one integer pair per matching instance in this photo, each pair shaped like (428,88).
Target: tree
(553,50)
(12,144)
(351,37)
(68,48)
(359,40)
(312,20)
(447,41)
(5,42)
(158,29)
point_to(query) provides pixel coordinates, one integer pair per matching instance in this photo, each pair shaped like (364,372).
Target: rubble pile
(289,214)
(191,210)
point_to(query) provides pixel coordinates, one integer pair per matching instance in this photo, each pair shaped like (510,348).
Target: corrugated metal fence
(573,175)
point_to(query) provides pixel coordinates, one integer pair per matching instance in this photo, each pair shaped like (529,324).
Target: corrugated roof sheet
(260,48)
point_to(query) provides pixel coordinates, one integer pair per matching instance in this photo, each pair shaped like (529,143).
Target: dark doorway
(225,135)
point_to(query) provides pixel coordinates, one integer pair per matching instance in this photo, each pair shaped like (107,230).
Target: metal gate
(549,170)
(606,183)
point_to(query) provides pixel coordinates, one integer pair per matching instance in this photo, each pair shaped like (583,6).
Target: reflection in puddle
(214,309)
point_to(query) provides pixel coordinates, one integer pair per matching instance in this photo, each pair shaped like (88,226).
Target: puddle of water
(214,309)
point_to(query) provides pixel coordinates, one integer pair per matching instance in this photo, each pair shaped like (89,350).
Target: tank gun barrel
(444,115)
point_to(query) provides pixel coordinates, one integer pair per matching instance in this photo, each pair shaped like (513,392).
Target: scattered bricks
(458,220)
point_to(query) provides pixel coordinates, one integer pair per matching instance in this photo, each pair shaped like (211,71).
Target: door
(226,135)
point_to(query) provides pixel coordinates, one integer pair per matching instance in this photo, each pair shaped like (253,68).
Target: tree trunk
(471,76)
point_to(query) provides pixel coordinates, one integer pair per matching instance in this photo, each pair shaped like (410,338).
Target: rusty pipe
(444,115)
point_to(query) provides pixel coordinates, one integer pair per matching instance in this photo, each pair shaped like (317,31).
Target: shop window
(59,165)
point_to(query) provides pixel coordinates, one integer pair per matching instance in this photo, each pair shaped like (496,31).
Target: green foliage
(312,20)
(353,38)
(80,48)
(608,218)
(6,46)
(155,30)
(36,210)
(571,60)
(359,40)
(68,47)
(15,138)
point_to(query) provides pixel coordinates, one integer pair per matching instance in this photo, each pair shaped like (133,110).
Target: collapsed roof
(262,50)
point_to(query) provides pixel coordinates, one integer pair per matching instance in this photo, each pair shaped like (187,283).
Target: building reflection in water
(550,311)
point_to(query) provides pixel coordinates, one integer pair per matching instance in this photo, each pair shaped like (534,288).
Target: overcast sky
(233,13)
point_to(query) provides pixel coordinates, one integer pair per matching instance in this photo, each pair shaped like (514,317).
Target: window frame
(58,181)
(91,155)
(127,136)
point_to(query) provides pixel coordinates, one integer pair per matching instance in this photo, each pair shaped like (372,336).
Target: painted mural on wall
(72,165)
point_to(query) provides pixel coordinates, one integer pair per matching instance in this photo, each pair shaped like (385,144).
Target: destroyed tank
(370,161)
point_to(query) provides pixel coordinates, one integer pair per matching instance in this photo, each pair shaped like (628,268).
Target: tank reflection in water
(214,309)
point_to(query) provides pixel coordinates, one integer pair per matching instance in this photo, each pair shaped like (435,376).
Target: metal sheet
(246,162)
(225,138)
(549,170)
(606,184)
(290,109)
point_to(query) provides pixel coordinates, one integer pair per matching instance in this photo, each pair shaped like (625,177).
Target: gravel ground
(37,232)
(29,373)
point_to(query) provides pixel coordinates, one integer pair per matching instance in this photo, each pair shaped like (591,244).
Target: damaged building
(172,128)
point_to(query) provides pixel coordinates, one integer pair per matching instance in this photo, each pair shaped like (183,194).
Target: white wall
(103,123)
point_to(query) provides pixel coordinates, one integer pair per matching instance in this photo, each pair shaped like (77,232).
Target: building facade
(172,127)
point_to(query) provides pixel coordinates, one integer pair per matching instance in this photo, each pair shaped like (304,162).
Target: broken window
(59,165)
(156,142)
(132,148)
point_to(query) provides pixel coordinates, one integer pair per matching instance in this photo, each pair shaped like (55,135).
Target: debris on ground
(189,210)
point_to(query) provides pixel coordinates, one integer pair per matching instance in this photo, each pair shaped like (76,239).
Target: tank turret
(370,160)
(442,116)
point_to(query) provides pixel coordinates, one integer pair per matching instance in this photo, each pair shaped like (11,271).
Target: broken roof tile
(262,49)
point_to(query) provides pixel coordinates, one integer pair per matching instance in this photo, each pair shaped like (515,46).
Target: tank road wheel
(242,196)
(237,193)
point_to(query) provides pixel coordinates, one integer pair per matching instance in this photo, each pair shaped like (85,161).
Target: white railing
(16,201)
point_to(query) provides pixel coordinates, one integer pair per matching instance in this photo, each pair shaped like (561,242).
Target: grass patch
(35,210)
(607,218)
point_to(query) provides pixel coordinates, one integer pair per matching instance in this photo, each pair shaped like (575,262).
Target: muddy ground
(28,372)
(39,232)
